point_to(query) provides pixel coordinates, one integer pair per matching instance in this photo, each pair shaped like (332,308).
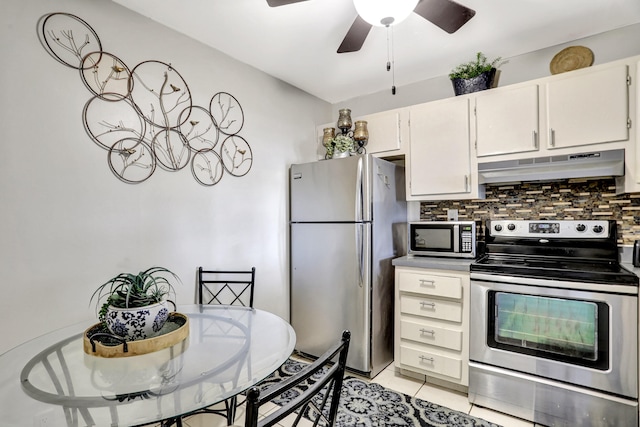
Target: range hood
(584,165)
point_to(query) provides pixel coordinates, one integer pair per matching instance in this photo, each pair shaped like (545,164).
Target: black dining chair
(319,401)
(226,287)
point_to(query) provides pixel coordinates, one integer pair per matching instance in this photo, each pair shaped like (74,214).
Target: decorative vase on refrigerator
(348,221)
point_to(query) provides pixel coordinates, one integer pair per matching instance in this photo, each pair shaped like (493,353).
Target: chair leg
(168,423)
(231,409)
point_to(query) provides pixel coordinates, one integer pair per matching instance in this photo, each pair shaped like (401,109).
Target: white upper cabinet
(631,180)
(440,165)
(589,108)
(507,121)
(386,131)
(570,112)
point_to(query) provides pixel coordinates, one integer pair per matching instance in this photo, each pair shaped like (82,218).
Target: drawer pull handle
(427,359)
(425,331)
(430,304)
(427,282)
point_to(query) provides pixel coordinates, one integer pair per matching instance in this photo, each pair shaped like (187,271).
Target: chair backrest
(226,287)
(324,391)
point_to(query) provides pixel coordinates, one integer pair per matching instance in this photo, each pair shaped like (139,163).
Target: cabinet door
(440,152)
(384,131)
(588,109)
(507,121)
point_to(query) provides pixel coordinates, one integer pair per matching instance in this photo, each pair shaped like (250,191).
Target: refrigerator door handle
(359,191)
(360,247)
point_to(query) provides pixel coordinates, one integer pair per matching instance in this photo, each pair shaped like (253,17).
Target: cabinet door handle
(426,331)
(427,359)
(425,282)
(535,139)
(466,183)
(552,137)
(424,304)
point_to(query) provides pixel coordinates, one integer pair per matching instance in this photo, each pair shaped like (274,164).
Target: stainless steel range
(554,324)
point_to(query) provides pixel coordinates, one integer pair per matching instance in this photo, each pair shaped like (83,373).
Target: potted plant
(475,75)
(342,146)
(135,305)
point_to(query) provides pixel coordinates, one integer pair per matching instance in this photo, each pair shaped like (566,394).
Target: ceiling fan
(446,14)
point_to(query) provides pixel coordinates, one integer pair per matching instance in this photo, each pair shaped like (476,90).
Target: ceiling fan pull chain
(391,62)
(388,54)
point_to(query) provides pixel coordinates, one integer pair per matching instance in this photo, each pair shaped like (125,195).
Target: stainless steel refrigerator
(348,221)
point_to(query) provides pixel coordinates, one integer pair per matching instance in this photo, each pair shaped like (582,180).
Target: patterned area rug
(364,404)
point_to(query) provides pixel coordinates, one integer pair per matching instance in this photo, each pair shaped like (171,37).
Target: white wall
(606,47)
(67,224)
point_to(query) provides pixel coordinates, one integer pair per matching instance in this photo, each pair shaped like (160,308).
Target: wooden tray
(175,330)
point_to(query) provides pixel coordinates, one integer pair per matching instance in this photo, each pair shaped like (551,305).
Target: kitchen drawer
(442,286)
(426,333)
(431,362)
(431,307)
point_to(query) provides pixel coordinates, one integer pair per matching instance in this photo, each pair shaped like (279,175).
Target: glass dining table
(51,381)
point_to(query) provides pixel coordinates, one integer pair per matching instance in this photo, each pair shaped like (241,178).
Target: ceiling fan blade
(276,3)
(446,14)
(356,36)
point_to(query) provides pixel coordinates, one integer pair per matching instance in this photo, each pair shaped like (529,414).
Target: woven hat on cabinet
(571,58)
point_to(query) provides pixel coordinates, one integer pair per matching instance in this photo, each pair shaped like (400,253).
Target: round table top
(51,381)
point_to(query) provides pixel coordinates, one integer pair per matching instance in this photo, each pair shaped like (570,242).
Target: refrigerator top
(336,190)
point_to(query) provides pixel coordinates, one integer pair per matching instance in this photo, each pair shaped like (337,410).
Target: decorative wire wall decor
(144,117)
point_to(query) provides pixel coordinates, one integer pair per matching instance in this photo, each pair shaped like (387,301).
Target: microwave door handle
(456,239)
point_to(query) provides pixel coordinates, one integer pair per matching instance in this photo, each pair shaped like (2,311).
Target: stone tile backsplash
(568,199)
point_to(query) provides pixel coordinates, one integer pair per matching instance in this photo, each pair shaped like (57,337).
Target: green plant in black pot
(475,75)
(135,305)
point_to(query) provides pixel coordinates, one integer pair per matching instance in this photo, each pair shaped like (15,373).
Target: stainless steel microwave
(443,238)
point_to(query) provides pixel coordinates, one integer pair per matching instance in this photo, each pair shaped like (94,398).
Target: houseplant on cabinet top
(475,75)
(135,305)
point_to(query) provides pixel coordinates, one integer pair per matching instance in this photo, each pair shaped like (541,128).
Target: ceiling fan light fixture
(384,13)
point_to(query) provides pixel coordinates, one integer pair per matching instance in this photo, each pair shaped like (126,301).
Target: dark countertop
(462,264)
(626,257)
(434,263)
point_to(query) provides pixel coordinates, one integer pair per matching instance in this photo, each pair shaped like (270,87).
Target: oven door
(545,328)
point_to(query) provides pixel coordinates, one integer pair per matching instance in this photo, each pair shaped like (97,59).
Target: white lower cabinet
(432,323)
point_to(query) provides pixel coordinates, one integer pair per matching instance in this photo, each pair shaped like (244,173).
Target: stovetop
(568,269)
(583,251)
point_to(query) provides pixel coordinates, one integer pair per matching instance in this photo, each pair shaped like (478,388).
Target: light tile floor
(395,381)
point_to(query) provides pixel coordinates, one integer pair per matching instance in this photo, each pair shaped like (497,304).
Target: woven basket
(571,58)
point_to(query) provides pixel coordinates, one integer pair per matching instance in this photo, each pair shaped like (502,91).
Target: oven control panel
(558,229)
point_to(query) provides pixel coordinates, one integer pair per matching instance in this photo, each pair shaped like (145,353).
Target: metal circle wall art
(105,76)
(226,110)
(144,117)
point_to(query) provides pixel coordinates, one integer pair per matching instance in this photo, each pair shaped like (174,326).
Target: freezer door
(334,190)
(330,288)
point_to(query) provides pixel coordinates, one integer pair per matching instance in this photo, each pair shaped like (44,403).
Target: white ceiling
(297,43)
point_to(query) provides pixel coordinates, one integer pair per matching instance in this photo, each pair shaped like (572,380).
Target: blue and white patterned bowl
(137,323)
